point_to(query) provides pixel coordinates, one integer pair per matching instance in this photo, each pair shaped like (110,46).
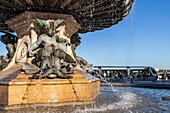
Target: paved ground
(144,84)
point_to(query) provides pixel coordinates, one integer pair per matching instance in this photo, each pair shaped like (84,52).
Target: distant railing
(124,73)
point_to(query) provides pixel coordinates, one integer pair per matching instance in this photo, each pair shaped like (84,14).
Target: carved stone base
(18,89)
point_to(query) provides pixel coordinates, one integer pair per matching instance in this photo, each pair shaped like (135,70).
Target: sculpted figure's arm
(34,46)
(60,40)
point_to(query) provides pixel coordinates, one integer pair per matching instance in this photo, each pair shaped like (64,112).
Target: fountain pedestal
(17,89)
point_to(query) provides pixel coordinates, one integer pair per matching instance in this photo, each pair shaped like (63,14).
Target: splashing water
(127,100)
(122,100)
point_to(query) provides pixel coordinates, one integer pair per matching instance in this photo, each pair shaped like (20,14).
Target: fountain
(41,66)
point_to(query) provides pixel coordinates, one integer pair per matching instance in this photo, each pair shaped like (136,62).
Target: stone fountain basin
(18,89)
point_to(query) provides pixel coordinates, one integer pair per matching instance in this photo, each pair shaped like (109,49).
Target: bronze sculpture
(10,41)
(48,57)
(75,41)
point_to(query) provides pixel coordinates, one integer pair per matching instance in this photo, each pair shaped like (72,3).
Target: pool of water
(114,100)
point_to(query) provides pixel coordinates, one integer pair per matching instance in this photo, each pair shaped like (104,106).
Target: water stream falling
(130,37)
(37,94)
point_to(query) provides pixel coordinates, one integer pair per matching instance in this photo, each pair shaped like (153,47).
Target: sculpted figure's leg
(50,71)
(43,56)
(30,68)
(67,68)
(69,59)
(57,63)
(45,63)
(63,55)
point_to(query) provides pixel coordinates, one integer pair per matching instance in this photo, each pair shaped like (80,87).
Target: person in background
(163,77)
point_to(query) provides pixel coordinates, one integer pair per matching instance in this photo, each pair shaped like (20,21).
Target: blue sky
(142,38)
